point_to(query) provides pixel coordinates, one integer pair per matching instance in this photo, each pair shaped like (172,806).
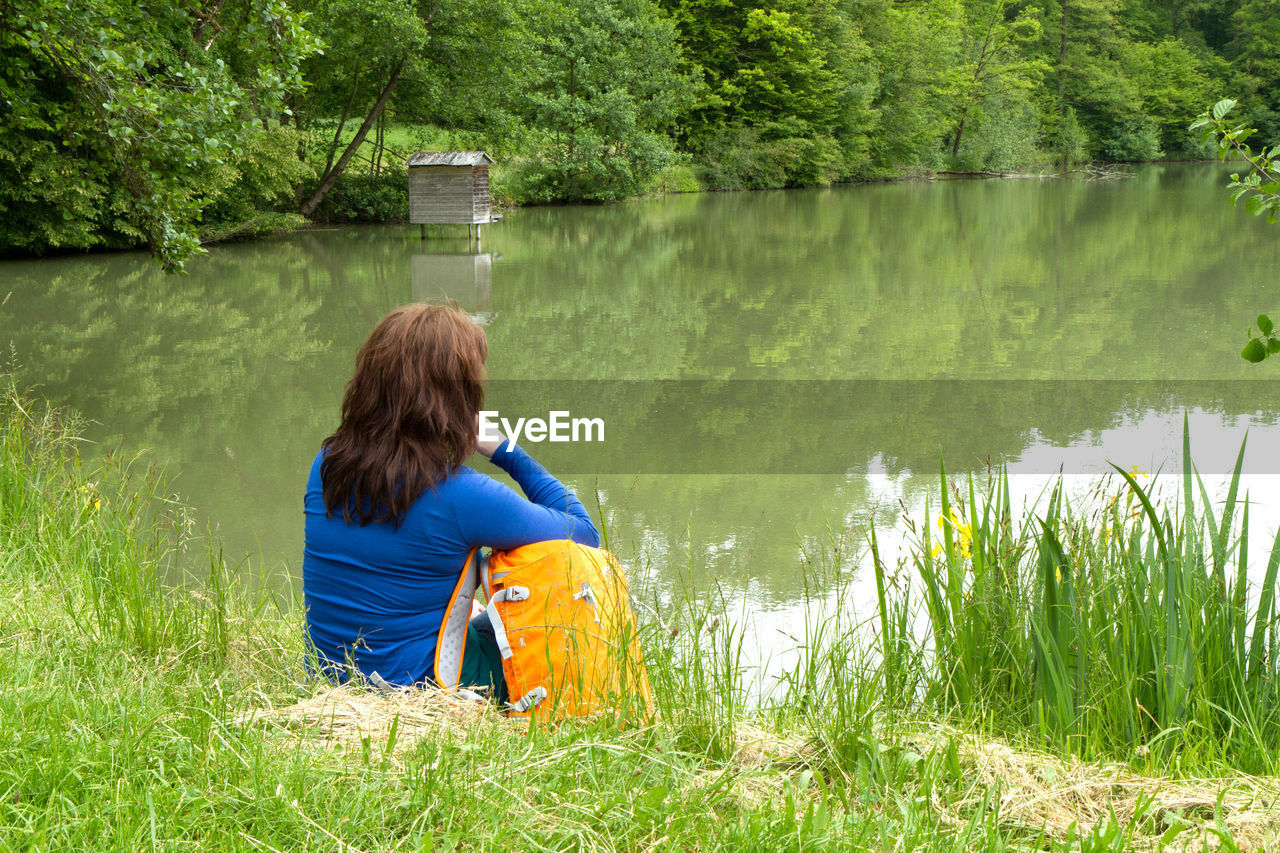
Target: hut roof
(450,158)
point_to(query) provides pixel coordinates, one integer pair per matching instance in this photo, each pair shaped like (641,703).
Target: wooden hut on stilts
(450,187)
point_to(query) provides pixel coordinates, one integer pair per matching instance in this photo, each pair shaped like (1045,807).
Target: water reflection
(463,278)
(775,368)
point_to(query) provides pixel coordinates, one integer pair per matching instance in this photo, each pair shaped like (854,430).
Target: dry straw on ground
(348,717)
(1035,791)
(1041,791)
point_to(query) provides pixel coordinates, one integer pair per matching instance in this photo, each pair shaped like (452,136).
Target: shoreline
(505,209)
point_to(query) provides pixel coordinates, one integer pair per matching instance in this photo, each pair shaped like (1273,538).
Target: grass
(1122,629)
(136,713)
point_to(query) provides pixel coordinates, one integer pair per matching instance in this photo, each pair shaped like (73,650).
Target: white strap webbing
(588,596)
(532,699)
(513,593)
(487,577)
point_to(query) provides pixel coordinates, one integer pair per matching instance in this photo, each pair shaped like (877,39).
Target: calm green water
(773,369)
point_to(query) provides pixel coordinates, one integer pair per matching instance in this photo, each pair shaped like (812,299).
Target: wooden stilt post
(422,232)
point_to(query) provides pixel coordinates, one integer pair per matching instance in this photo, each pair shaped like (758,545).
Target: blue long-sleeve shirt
(377,594)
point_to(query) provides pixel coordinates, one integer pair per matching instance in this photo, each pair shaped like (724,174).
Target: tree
(917,47)
(1092,96)
(1255,51)
(786,91)
(995,56)
(604,90)
(434,61)
(372,43)
(126,120)
(1173,83)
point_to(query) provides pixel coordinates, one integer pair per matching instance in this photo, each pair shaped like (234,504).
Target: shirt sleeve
(497,517)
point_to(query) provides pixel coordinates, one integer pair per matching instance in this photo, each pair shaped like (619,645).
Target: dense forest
(171,123)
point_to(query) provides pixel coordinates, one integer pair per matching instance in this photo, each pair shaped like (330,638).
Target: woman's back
(376,593)
(391,513)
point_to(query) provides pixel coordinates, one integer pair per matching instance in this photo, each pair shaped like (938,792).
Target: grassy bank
(135,714)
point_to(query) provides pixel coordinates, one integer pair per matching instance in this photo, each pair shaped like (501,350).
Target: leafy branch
(1264,344)
(1260,189)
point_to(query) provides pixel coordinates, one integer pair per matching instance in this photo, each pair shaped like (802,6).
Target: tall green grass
(120,691)
(121,681)
(102,542)
(1116,626)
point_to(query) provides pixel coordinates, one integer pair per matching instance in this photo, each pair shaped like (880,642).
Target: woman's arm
(495,516)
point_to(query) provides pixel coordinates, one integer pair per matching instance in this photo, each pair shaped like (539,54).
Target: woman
(392,513)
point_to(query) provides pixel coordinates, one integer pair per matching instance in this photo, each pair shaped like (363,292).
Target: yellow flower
(92,501)
(963,532)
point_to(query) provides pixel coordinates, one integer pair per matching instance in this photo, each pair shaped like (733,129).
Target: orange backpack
(561,614)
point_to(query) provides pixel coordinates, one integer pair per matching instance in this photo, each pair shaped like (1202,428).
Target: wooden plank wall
(445,194)
(480,192)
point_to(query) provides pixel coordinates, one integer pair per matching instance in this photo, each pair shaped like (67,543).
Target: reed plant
(1110,625)
(105,545)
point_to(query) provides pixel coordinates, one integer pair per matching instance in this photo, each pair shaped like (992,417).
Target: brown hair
(408,415)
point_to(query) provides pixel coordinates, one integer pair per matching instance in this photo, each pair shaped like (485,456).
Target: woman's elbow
(585,533)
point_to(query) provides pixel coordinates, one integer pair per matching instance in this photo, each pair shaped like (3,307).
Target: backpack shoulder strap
(452,640)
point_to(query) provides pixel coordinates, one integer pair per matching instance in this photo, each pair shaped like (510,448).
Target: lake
(773,370)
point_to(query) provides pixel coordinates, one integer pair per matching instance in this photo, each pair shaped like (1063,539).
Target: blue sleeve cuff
(507,454)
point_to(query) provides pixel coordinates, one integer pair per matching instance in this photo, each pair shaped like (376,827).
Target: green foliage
(1111,627)
(603,90)
(259,183)
(678,178)
(1134,139)
(1256,50)
(144,106)
(1070,140)
(916,47)
(787,88)
(1260,189)
(736,158)
(1002,133)
(998,67)
(770,157)
(1262,345)
(166,125)
(367,198)
(1083,40)
(1174,81)
(362,37)
(364,40)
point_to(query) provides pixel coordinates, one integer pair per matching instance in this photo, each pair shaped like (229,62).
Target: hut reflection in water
(466,278)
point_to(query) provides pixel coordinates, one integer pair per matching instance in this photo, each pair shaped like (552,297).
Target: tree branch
(326,183)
